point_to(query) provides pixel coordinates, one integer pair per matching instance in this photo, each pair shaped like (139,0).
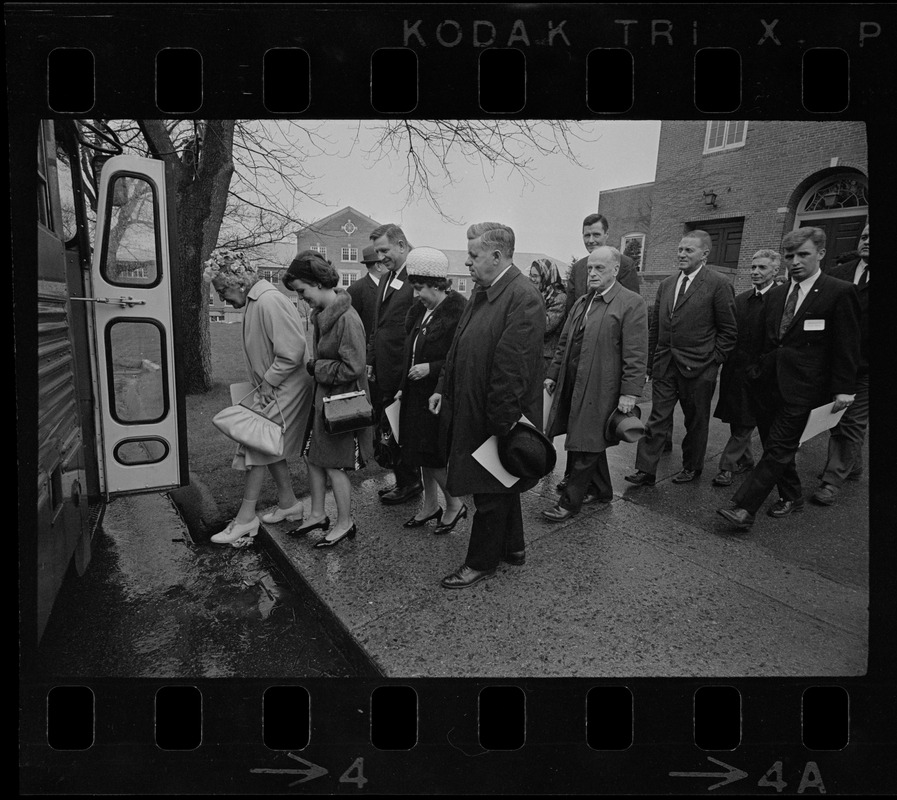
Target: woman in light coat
(338,367)
(274,348)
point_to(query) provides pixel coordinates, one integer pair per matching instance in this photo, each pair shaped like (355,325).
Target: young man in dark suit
(810,355)
(386,343)
(694,320)
(845,445)
(364,291)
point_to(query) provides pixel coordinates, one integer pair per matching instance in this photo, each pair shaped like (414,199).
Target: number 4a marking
(811,778)
(355,774)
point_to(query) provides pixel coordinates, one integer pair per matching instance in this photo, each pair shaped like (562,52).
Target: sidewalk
(652,584)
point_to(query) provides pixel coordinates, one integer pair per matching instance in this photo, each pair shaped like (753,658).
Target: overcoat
(274,349)
(735,405)
(364,300)
(701,331)
(612,362)
(845,272)
(492,376)
(419,429)
(555,316)
(339,367)
(386,342)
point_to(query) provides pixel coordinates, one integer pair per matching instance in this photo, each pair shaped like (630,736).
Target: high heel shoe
(448,527)
(323,524)
(292,514)
(234,532)
(416,523)
(349,534)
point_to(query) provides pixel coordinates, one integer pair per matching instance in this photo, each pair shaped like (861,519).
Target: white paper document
(487,455)
(546,409)
(821,419)
(392,414)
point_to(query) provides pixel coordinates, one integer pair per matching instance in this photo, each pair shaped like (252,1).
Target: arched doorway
(839,204)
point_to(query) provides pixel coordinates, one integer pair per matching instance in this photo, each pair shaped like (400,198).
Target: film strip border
(537,736)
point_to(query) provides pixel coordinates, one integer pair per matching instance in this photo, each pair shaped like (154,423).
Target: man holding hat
(364,291)
(597,374)
(490,380)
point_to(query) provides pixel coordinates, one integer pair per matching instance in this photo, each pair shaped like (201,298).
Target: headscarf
(550,283)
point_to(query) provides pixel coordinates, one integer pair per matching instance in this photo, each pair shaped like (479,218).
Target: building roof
(322,225)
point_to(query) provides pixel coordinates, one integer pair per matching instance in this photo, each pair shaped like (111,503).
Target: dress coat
(735,404)
(555,316)
(418,428)
(578,279)
(612,362)
(274,348)
(364,300)
(339,367)
(846,272)
(702,330)
(818,356)
(386,342)
(492,376)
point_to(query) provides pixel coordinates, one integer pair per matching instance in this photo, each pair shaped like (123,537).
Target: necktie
(864,276)
(788,313)
(682,289)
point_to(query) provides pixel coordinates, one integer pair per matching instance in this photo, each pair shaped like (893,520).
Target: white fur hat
(427,262)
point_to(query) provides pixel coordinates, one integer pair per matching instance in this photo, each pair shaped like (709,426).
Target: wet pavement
(653,584)
(153,604)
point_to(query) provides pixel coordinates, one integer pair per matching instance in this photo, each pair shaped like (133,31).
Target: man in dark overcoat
(364,291)
(735,403)
(599,366)
(694,317)
(845,444)
(811,350)
(386,344)
(492,376)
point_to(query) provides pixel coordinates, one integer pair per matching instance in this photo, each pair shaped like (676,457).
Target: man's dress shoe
(558,514)
(686,476)
(515,559)
(465,576)
(593,497)
(724,478)
(640,478)
(401,494)
(826,494)
(782,508)
(737,516)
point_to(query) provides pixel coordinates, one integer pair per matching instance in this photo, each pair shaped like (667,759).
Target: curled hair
(774,257)
(230,267)
(495,236)
(392,232)
(441,284)
(593,218)
(795,239)
(309,267)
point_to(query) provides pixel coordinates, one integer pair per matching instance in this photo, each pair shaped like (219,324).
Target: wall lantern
(710,199)
(830,197)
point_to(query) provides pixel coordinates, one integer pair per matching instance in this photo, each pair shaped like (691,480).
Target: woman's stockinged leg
(431,494)
(252,488)
(317,481)
(280,472)
(452,504)
(342,493)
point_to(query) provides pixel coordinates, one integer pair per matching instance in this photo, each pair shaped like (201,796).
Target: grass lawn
(210,451)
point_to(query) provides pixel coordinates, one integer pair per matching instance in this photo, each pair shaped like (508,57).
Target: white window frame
(347,278)
(724,146)
(352,252)
(624,240)
(320,249)
(462,284)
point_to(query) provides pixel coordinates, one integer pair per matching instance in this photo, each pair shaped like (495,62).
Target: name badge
(814,324)
(397,284)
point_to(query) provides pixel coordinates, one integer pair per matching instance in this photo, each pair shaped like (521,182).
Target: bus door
(140,420)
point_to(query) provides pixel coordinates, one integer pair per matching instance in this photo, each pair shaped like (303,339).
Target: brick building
(746,184)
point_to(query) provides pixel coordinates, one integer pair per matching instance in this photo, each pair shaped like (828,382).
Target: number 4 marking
(355,774)
(776,769)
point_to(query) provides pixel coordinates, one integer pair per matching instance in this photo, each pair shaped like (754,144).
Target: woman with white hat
(430,327)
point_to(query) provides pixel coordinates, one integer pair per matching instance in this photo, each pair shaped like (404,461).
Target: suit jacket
(735,404)
(578,279)
(492,376)
(845,272)
(702,331)
(386,343)
(364,300)
(611,363)
(818,355)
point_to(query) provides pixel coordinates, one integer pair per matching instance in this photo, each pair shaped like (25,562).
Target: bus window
(135,351)
(132,254)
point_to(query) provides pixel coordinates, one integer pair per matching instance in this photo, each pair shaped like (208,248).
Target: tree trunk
(201,196)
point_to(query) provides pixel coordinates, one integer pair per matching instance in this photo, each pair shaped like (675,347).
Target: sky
(546,216)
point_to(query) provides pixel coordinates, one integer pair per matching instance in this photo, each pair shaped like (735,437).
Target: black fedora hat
(622,427)
(526,452)
(370,255)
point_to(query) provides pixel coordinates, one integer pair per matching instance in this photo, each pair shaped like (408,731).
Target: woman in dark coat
(546,278)
(430,327)
(338,367)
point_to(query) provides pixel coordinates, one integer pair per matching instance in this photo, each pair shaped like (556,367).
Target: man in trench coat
(599,366)
(492,376)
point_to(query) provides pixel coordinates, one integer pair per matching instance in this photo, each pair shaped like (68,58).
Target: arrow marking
(313,771)
(733,774)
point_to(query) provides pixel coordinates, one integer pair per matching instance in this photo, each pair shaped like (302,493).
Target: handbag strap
(255,388)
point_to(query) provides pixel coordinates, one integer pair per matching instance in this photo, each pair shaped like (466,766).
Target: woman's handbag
(350,411)
(252,428)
